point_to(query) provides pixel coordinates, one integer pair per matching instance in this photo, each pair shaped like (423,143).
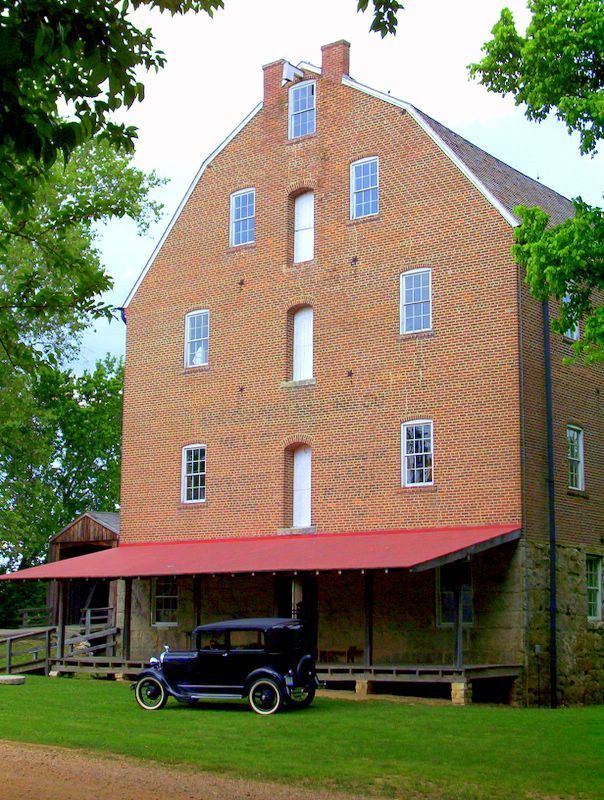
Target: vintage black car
(266,660)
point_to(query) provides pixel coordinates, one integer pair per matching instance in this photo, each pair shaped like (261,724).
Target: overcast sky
(214,77)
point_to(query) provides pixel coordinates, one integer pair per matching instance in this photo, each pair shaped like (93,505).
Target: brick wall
(463,375)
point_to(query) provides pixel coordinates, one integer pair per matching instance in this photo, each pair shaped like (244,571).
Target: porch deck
(415,673)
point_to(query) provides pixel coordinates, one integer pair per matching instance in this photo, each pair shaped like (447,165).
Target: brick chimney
(273,73)
(336,60)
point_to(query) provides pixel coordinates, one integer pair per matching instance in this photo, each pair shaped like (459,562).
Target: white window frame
(299,230)
(291,114)
(238,193)
(403,304)
(597,560)
(303,349)
(154,621)
(305,493)
(183,474)
(187,341)
(440,623)
(358,163)
(404,427)
(580,461)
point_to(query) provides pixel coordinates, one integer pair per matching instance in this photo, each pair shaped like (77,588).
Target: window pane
(165,600)
(364,188)
(302,110)
(197,333)
(212,640)
(194,474)
(417,453)
(243,209)
(247,640)
(416,313)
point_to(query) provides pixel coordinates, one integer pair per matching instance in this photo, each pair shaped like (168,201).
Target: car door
(247,653)
(211,675)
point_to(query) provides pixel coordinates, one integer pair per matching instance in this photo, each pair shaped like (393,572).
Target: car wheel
(265,696)
(301,698)
(150,694)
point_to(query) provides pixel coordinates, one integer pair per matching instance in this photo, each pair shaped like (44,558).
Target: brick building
(336,406)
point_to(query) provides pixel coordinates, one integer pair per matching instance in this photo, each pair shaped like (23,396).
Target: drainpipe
(549,414)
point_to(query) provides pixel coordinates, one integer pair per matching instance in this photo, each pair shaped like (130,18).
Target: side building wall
(578,398)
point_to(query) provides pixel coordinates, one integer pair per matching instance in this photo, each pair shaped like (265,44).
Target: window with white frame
(593,574)
(194,473)
(576,467)
(302,360)
(302,482)
(197,338)
(304,227)
(164,606)
(573,333)
(417,453)
(243,217)
(448,578)
(302,109)
(416,301)
(364,188)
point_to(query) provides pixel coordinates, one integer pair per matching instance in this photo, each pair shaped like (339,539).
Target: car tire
(305,701)
(150,694)
(265,696)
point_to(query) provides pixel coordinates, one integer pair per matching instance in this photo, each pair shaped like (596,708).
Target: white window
(576,468)
(446,579)
(573,333)
(302,109)
(301,516)
(416,301)
(593,569)
(164,604)
(243,216)
(304,227)
(193,473)
(302,362)
(197,338)
(417,452)
(364,188)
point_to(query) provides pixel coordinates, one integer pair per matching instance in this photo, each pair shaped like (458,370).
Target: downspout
(549,413)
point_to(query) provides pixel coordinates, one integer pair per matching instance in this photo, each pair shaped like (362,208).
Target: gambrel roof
(502,186)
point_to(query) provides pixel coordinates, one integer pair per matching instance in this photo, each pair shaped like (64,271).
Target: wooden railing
(88,643)
(38,617)
(26,652)
(95,618)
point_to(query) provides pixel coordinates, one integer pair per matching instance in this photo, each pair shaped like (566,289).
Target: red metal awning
(411,548)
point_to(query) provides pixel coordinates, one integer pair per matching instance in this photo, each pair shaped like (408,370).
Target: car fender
(152,672)
(265,672)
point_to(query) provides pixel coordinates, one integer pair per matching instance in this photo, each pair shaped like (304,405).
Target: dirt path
(33,772)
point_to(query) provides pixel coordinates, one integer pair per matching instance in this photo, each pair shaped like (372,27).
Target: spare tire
(305,671)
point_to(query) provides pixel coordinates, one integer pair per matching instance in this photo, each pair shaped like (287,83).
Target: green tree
(557,67)
(51,274)
(61,458)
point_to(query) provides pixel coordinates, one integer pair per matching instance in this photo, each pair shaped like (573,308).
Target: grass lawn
(392,749)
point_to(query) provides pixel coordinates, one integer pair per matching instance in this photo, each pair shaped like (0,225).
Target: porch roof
(407,548)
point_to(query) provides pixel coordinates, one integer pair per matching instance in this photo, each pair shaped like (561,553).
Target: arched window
(302,356)
(301,510)
(304,227)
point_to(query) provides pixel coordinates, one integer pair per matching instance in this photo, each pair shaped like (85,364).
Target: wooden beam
(368,594)
(61,608)
(197,599)
(458,624)
(127,618)
(472,550)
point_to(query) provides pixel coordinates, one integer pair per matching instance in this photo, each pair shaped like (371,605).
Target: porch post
(197,599)
(61,603)
(127,618)
(368,592)
(458,624)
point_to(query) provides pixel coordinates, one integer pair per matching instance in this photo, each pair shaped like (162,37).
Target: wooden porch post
(368,592)
(61,603)
(458,595)
(127,618)
(197,599)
